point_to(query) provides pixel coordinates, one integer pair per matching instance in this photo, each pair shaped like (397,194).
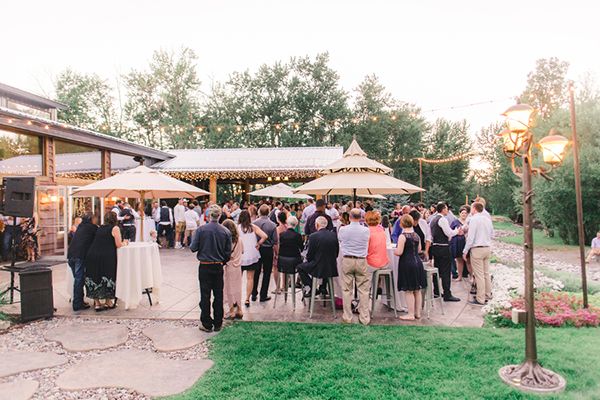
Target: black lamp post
(518,144)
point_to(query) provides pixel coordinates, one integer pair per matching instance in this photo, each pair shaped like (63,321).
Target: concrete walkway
(180,297)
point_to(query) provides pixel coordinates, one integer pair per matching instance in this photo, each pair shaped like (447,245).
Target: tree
(162,102)
(447,139)
(295,103)
(496,180)
(90,102)
(387,129)
(546,86)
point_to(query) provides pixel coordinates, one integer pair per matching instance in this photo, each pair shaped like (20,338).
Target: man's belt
(441,244)
(128,224)
(355,257)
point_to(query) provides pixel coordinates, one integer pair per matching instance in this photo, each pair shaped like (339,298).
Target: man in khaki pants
(354,244)
(479,241)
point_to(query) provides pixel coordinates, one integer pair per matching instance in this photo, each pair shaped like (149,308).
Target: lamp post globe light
(518,143)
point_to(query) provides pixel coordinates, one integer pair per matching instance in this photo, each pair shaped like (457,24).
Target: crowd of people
(269,239)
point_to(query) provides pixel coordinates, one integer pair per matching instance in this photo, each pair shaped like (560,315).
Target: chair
(289,281)
(313,295)
(429,298)
(388,275)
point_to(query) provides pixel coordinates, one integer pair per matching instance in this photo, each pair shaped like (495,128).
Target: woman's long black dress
(101,265)
(411,274)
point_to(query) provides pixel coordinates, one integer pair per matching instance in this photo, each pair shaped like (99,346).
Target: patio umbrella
(355,174)
(140,182)
(280,190)
(356,160)
(357,184)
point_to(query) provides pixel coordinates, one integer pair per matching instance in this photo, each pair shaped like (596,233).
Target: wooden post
(212,188)
(105,167)
(246,190)
(49,159)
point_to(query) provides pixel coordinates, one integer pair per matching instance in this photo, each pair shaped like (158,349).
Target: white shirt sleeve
(473,230)
(443,223)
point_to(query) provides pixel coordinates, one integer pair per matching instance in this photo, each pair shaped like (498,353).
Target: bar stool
(289,281)
(429,298)
(388,279)
(313,295)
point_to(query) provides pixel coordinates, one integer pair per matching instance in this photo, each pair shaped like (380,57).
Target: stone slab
(14,362)
(138,370)
(173,338)
(86,337)
(21,389)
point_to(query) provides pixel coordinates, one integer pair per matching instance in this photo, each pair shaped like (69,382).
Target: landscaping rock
(15,362)
(172,338)
(142,371)
(86,337)
(21,389)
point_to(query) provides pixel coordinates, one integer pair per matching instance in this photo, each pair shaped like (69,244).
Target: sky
(435,54)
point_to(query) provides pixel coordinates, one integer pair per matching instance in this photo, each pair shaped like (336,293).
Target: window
(20,154)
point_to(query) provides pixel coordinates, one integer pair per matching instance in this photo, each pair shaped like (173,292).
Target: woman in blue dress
(457,243)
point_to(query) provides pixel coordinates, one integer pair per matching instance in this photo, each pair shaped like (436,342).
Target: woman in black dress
(101,263)
(411,274)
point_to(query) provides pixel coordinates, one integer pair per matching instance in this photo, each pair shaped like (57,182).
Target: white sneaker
(178,246)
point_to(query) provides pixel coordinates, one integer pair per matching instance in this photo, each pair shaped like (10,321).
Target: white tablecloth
(138,268)
(393,263)
(149,224)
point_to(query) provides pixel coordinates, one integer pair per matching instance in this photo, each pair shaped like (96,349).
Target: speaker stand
(12,288)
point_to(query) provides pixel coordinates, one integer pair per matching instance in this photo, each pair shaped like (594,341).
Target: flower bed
(555,309)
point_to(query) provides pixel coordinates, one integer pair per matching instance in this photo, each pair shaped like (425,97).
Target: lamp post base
(531,377)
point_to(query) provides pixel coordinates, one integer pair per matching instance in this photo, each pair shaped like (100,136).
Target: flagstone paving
(166,337)
(142,371)
(14,362)
(86,337)
(21,389)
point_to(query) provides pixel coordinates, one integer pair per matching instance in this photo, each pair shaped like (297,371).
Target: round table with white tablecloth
(138,268)
(393,264)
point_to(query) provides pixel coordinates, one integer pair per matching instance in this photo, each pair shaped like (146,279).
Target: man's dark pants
(266,265)
(76,265)
(210,277)
(442,260)
(168,229)
(129,233)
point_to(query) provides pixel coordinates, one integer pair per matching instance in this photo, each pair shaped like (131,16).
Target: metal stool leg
(313,292)
(374,285)
(276,294)
(392,293)
(285,283)
(293,289)
(332,296)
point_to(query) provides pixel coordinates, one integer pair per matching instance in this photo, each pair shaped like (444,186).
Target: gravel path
(30,337)
(512,254)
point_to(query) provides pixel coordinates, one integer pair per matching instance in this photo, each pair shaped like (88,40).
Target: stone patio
(180,297)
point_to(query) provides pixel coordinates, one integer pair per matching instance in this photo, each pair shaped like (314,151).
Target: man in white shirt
(179,215)
(309,210)
(129,216)
(155,214)
(479,241)
(595,251)
(354,245)
(117,209)
(334,214)
(235,212)
(192,222)
(440,250)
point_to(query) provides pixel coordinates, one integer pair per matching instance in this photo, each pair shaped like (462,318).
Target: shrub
(552,309)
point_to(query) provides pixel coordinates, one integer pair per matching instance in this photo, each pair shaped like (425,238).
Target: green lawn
(539,237)
(324,361)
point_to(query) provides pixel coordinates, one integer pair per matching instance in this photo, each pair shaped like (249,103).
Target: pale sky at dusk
(435,54)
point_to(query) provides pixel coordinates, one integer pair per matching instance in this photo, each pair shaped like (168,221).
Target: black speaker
(19,196)
(36,293)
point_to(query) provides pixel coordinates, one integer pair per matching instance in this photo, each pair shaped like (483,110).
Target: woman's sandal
(247,303)
(99,308)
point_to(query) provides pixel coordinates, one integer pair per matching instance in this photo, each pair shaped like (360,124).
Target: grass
(324,361)
(539,237)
